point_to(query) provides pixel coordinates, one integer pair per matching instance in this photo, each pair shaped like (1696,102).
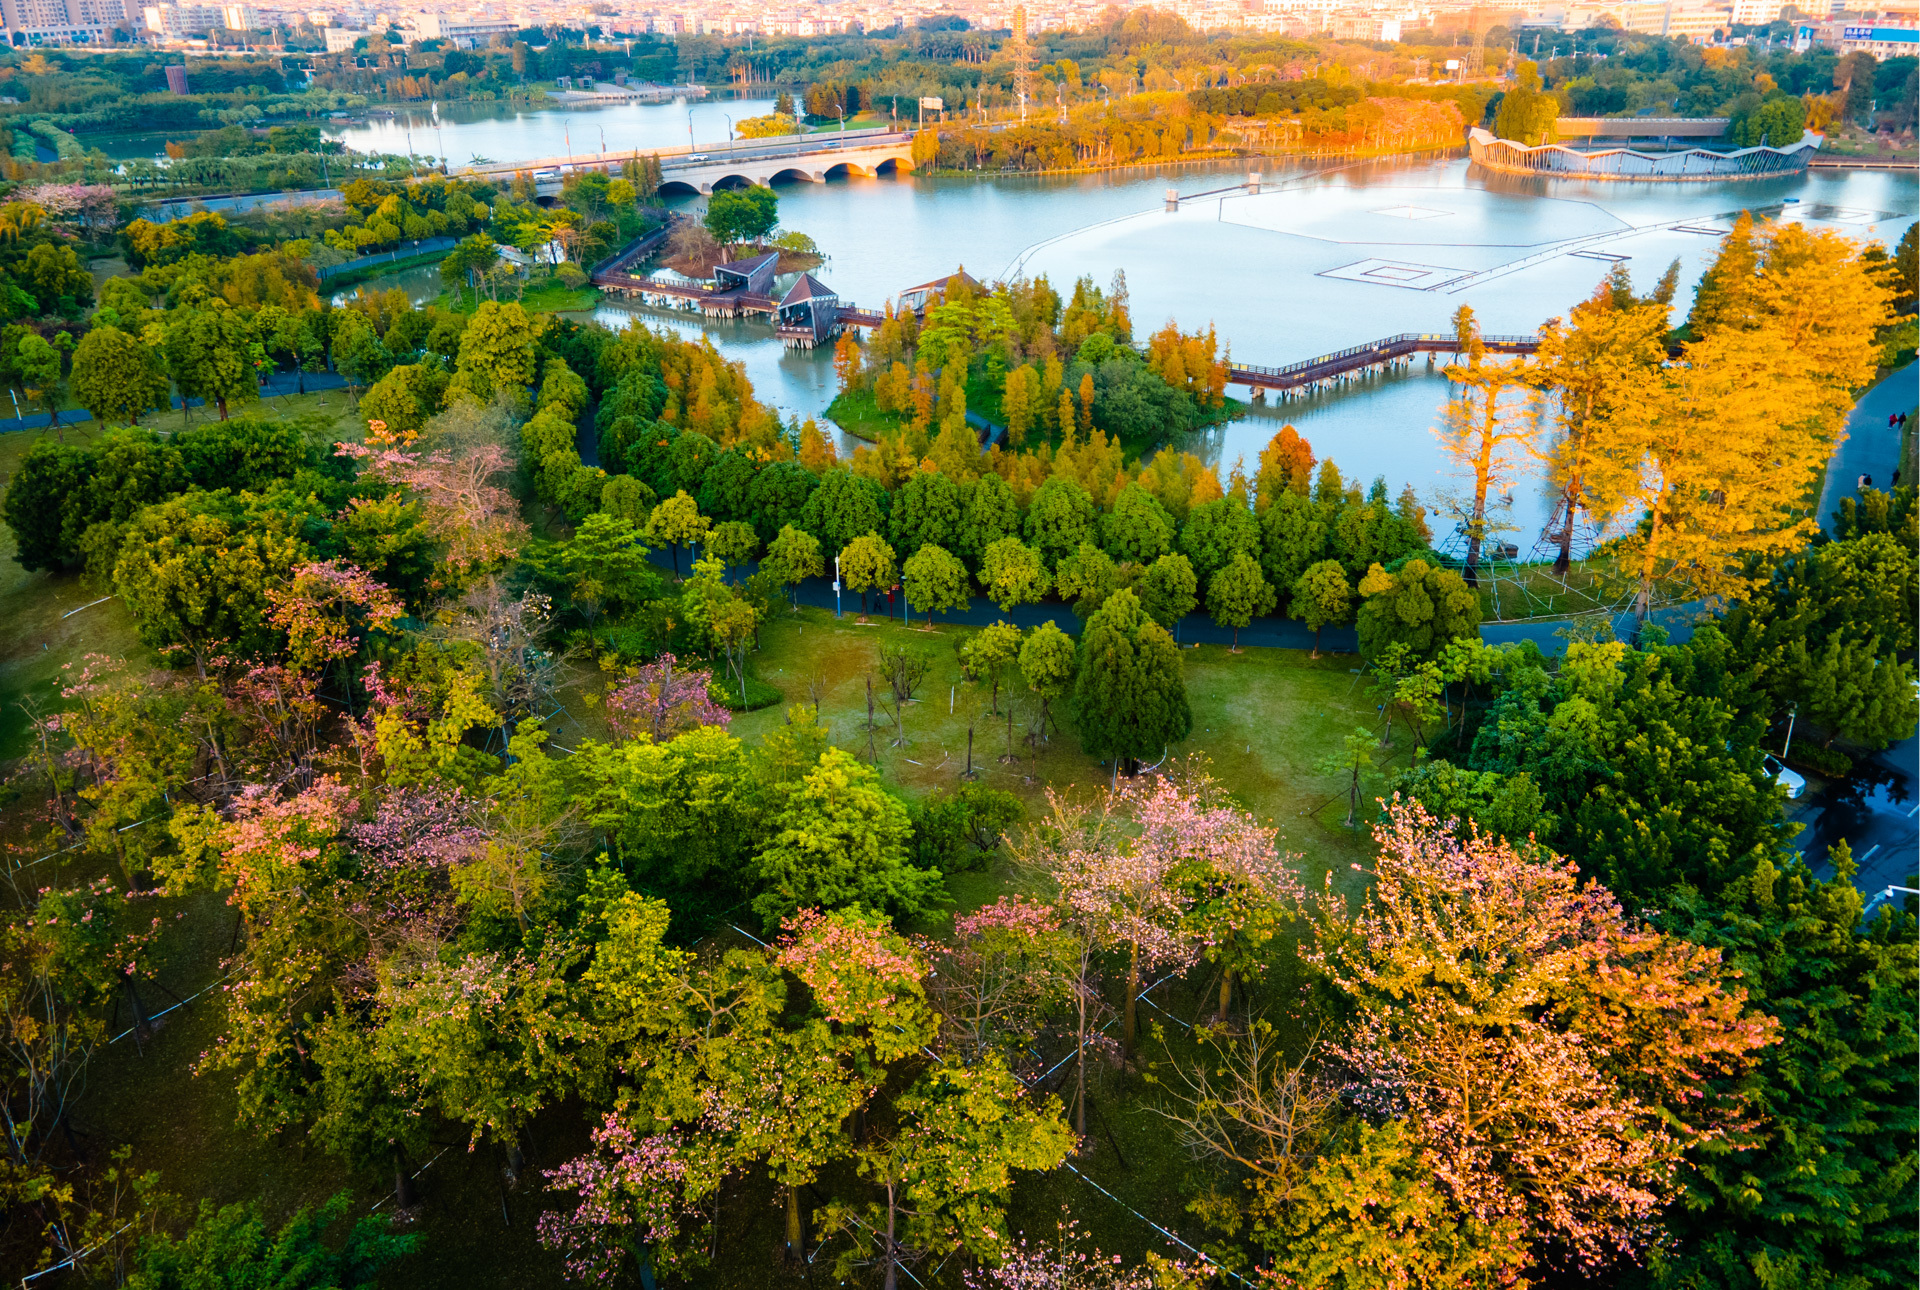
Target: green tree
(1353,761)
(40,368)
(992,513)
(935,579)
(677,520)
(404,398)
(1138,527)
(844,507)
(1130,700)
(1060,519)
(866,564)
(1851,689)
(196,570)
(1237,594)
(1215,532)
(233,1247)
(927,510)
(47,486)
(1421,607)
(208,353)
(945,1173)
(1322,595)
(1168,591)
(606,566)
(1527,112)
(1087,578)
(793,556)
(498,349)
(989,653)
(468,264)
(1823,1194)
(1012,573)
(841,840)
(738,215)
(117,377)
(1048,663)
(735,542)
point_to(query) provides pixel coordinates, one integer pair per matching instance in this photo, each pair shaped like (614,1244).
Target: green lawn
(1263,718)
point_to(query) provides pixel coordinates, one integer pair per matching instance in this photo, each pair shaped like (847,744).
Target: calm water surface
(1325,257)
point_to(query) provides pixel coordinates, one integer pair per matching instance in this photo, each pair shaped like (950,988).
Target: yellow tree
(1714,456)
(1719,454)
(1588,364)
(1482,432)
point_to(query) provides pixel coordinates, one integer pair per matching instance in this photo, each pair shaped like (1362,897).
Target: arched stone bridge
(813,165)
(810,159)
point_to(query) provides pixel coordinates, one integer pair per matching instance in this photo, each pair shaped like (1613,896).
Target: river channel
(1325,257)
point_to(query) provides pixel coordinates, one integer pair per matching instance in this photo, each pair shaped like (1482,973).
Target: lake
(1326,256)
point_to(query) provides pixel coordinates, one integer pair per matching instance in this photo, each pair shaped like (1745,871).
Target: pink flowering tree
(475,520)
(1549,1058)
(288,873)
(633,1195)
(1117,867)
(1007,967)
(1066,1264)
(323,606)
(663,699)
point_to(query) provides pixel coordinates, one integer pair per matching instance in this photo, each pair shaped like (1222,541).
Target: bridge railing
(1386,347)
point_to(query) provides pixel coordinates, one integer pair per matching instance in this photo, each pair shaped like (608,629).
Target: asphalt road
(1875,810)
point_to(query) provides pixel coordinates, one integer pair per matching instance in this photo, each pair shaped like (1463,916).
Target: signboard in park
(934,104)
(1453,64)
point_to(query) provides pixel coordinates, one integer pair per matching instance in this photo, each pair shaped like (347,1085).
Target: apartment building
(182,21)
(462,31)
(65,22)
(1364,26)
(1892,36)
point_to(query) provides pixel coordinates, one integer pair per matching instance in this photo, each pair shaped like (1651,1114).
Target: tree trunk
(1226,995)
(893,1256)
(403,1192)
(796,1239)
(1133,1003)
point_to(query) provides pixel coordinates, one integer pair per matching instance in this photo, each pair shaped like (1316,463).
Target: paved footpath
(1870,448)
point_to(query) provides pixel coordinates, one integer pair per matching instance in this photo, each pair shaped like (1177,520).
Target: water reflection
(1255,269)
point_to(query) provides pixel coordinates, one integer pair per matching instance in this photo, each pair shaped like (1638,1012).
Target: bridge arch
(732,181)
(793,175)
(894,165)
(677,187)
(846,170)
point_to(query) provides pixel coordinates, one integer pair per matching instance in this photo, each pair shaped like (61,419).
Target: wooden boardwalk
(1387,354)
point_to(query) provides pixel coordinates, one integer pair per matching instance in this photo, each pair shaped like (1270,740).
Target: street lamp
(729,131)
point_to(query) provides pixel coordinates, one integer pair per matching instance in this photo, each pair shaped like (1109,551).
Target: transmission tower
(1022,55)
(1477,43)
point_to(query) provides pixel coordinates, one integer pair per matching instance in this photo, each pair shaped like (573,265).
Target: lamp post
(836,586)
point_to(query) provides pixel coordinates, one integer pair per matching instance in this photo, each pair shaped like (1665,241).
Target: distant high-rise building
(64,22)
(177,80)
(241,17)
(179,21)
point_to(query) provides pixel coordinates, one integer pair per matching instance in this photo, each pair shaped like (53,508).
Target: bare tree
(1245,1103)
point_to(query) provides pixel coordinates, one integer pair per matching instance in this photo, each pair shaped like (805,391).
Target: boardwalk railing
(1358,357)
(426,246)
